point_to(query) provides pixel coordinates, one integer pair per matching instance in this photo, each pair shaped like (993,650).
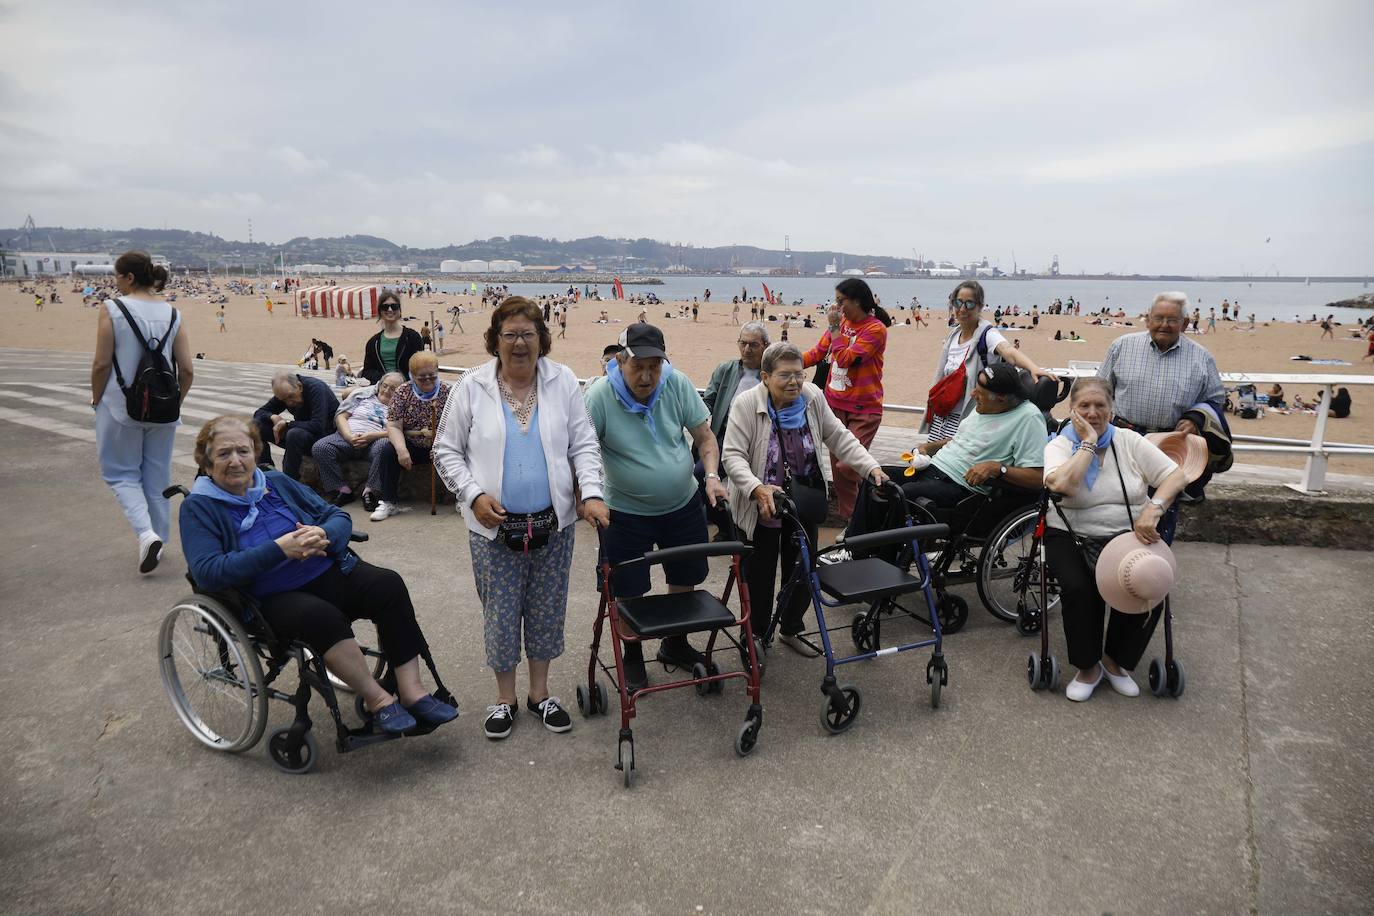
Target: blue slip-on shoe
(431,711)
(393,719)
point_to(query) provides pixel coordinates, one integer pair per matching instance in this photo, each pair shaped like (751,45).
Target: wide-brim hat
(1187,451)
(1133,577)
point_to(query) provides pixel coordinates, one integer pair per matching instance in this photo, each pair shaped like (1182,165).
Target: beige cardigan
(746,446)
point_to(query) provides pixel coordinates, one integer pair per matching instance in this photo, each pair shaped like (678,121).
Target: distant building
(51,263)
(450,266)
(506,267)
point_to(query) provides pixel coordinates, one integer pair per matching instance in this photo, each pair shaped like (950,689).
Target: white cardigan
(470,443)
(746,446)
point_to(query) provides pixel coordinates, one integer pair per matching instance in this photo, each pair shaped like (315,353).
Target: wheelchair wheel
(301,760)
(1007,566)
(212,675)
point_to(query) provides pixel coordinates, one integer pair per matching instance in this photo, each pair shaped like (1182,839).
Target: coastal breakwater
(570,279)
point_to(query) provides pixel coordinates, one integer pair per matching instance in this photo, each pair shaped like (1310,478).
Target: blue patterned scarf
(627,400)
(1103,441)
(204,486)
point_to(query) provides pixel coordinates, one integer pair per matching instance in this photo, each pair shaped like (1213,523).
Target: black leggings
(320,613)
(1128,635)
(761,570)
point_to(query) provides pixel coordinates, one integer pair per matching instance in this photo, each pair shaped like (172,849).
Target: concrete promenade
(1250,794)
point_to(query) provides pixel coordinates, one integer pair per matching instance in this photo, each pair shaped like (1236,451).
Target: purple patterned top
(801,459)
(414,415)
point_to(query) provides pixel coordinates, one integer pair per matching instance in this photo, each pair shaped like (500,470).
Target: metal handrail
(1317,449)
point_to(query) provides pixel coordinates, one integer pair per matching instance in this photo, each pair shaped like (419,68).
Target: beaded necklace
(524,410)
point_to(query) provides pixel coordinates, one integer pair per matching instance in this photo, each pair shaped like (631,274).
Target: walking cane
(433,424)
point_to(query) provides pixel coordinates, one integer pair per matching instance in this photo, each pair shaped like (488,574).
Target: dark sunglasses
(390,306)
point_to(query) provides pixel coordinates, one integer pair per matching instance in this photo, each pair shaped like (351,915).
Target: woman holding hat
(1103,474)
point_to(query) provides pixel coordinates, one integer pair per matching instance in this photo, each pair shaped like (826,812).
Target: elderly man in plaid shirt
(1164,382)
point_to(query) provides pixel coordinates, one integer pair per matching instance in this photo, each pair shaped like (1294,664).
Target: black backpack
(155,395)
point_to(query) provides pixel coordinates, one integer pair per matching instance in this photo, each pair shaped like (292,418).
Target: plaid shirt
(1153,389)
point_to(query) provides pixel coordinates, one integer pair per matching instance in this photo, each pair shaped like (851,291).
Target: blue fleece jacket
(210,536)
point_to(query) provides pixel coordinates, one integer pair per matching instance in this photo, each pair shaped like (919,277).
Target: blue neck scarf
(204,486)
(793,416)
(438,385)
(1103,441)
(627,400)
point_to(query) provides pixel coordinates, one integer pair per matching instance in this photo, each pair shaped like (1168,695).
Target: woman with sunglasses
(390,349)
(973,345)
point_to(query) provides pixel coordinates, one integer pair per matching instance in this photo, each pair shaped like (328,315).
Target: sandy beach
(252,335)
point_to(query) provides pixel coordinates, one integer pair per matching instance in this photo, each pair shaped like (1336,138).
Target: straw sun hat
(1188,451)
(1133,577)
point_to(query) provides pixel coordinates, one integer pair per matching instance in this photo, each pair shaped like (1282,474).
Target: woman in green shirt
(390,349)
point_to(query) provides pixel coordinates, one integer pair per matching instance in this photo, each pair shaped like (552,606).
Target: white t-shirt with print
(958,352)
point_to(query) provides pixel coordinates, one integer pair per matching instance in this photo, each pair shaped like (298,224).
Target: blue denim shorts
(630,536)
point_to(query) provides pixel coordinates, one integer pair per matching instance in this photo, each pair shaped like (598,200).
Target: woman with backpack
(971,346)
(137,400)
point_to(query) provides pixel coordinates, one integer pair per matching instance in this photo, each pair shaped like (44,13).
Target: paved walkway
(1249,794)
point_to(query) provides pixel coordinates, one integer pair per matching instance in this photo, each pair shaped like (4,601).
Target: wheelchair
(990,542)
(673,614)
(220,661)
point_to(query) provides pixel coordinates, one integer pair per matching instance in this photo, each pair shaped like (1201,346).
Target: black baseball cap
(643,341)
(1003,378)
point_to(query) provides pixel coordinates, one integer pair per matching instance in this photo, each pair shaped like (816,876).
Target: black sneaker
(556,718)
(342,499)
(370,501)
(636,678)
(678,652)
(500,720)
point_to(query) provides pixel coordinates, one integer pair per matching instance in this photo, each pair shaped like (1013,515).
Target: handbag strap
(1122,480)
(782,449)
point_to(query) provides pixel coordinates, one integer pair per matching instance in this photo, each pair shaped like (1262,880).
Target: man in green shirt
(640,413)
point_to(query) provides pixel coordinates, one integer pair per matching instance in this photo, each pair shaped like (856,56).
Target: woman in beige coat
(783,418)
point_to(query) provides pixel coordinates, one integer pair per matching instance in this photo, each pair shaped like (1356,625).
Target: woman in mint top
(390,349)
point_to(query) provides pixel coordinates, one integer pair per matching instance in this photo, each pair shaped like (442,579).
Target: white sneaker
(1122,683)
(1078,691)
(149,551)
(385,510)
(835,556)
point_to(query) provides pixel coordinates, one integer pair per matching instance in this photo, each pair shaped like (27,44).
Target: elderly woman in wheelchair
(285,552)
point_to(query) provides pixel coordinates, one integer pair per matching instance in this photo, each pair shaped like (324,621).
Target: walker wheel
(1159,681)
(936,677)
(837,718)
(1177,681)
(1052,674)
(586,702)
(862,631)
(1028,622)
(625,760)
(298,761)
(748,736)
(702,670)
(602,704)
(953,612)
(1033,671)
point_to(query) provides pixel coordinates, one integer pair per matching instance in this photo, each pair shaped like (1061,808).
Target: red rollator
(667,615)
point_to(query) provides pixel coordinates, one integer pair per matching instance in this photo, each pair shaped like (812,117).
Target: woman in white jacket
(784,418)
(511,436)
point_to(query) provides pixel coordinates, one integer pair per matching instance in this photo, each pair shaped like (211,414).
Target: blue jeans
(136,463)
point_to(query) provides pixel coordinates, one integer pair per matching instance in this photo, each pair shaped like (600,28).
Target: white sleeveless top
(154,318)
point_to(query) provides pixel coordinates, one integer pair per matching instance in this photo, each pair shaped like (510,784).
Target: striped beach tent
(338,301)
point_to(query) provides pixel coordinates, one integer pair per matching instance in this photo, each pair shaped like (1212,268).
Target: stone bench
(413,490)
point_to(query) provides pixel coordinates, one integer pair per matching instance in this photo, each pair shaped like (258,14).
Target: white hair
(757,327)
(1173,297)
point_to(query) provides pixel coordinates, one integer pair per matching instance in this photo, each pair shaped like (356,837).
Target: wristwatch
(1157,502)
(711,475)
(1004,470)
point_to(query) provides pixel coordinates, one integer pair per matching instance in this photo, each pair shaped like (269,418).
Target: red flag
(767,294)
(619,290)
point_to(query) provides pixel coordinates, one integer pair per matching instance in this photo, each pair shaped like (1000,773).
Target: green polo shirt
(1014,437)
(644,475)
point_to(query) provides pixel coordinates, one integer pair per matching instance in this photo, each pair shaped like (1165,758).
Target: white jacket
(470,443)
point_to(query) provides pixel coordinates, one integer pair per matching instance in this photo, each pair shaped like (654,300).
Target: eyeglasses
(790,376)
(390,306)
(428,377)
(1169,322)
(751,344)
(511,337)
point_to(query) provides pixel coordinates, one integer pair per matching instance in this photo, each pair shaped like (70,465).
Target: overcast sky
(1132,135)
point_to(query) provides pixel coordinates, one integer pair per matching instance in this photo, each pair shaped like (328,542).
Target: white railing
(1317,449)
